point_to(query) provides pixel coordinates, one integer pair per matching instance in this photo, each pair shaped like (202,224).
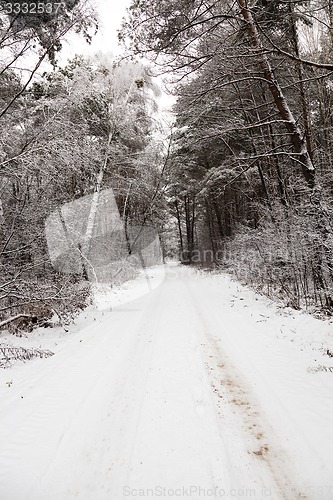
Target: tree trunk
(2,218)
(299,67)
(219,219)
(295,133)
(179,228)
(189,205)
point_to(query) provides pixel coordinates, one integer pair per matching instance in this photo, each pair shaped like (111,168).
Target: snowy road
(190,391)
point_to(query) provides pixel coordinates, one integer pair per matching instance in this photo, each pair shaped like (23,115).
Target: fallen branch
(10,353)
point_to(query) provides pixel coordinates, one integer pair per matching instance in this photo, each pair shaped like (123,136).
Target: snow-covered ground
(178,385)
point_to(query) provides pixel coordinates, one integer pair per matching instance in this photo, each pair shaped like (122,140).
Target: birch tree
(82,129)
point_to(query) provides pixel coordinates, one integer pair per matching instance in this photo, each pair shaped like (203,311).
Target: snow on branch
(10,353)
(10,320)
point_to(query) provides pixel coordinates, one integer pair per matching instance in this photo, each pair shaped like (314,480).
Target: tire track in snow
(231,390)
(155,410)
(123,402)
(151,323)
(178,442)
(36,427)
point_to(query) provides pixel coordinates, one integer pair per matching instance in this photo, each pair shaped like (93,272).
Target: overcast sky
(110,13)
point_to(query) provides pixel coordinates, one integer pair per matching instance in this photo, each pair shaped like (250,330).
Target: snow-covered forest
(244,179)
(166,278)
(250,181)
(67,133)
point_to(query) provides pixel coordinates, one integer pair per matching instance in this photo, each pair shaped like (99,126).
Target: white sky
(110,16)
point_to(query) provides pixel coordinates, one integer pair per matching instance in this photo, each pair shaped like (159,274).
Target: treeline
(65,135)
(251,179)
